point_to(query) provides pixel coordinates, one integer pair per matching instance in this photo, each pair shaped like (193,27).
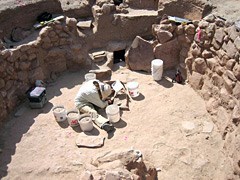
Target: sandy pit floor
(165,123)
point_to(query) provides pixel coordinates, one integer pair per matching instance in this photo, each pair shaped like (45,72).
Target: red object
(199,35)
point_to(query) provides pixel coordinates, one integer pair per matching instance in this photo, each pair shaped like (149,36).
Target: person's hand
(110,101)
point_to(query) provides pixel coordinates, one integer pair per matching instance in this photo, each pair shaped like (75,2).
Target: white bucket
(133,88)
(90,76)
(112,112)
(73,117)
(85,122)
(59,113)
(157,69)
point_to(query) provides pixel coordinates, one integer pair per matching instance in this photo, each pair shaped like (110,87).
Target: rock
(102,73)
(236,115)
(216,44)
(167,27)
(207,127)
(84,24)
(108,8)
(36,74)
(44,31)
(237,43)
(168,52)
(200,162)
(86,175)
(237,25)
(225,97)
(236,71)
(184,52)
(230,75)
(125,157)
(32,57)
(230,49)
(23,75)
(164,36)
(236,90)
(9,84)
(190,29)
(203,24)
(2,83)
(84,140)
(219,70)
(196,51)
(206,54)
(232,32)
(200,65)
(217,80)
(71,22)
(230,64)
(222,118)
(179,30)
(196,80)
(195,23)
(212,105)
(135,59)
(188,126)
(212,63)
(184,40)
(219,35)
(112,175)
(220,22)
(209,18)
(24,65)
(228,84)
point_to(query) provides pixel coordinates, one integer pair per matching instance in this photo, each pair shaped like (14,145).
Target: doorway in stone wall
(118,56)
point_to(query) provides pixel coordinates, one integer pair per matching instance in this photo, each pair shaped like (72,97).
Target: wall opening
(118,56)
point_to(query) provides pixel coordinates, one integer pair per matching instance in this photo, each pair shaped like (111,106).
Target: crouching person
(95,93)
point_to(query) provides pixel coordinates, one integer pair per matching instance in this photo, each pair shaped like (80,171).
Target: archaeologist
(95,93)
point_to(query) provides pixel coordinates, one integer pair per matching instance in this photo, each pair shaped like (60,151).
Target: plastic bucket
(133,88)
(112,112)
(59,113)
(73,117)
(85,122)
(157,69)
(90,76)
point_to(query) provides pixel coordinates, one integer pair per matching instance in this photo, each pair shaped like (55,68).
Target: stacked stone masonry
(207,52)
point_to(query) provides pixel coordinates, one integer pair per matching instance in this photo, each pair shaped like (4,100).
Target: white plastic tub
(157,69)
(90,76)
(59,113)
(133,88)
(113,113)
(73,117)
(85,122)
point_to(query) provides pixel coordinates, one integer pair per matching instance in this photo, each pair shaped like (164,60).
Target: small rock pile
(120,164)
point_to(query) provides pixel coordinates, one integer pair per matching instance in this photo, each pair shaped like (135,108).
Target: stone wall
(63,45)
(207,52)
(57,48)
(214,71)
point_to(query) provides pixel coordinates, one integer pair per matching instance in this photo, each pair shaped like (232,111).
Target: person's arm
(95,99)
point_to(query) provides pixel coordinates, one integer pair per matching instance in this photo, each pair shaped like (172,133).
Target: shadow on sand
(15,127)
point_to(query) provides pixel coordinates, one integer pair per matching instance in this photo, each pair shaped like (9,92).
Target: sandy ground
(37,147)
(227,9)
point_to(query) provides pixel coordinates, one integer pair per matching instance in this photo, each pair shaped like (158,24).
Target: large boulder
(196,80)
(136,59)
(169,53)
